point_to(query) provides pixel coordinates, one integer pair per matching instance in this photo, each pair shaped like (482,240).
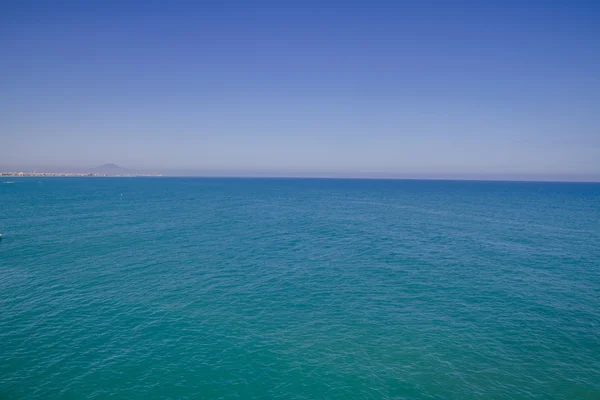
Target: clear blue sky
(423,88)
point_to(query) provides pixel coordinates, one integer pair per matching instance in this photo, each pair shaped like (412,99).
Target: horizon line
(113,169)
(326,177)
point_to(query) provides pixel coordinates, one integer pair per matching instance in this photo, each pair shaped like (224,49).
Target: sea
(214,288)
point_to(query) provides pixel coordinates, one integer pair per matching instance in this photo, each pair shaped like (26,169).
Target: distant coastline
(106,170)
(124,173)
(72,174)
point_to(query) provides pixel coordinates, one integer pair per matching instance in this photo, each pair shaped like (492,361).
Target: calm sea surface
(152,288)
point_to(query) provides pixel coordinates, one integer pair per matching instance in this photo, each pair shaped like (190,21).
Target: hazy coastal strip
(70,174)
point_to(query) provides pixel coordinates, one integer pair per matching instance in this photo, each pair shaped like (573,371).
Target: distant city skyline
(430,89)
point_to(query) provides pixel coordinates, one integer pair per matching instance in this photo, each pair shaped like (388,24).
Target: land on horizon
(105,170)
(114,170)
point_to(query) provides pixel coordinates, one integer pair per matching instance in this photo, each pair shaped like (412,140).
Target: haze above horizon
(403,89)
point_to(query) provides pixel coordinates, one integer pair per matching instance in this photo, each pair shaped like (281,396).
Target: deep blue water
(299,289)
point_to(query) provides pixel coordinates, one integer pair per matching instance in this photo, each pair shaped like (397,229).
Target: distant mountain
(111,169)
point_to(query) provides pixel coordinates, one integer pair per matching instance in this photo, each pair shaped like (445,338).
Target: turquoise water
(299,289)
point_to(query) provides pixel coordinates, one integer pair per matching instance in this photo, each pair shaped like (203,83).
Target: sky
(339,88)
